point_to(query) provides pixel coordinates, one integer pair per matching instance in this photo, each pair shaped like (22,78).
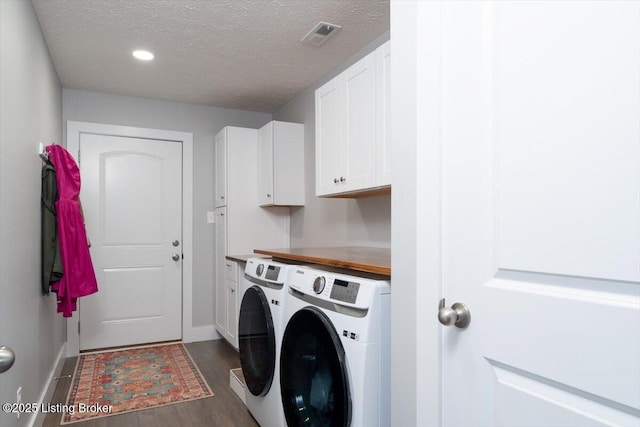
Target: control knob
(259,269)
(318,284)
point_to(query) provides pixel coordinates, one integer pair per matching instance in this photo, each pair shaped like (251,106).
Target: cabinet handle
(222,197)
(336,180)
(269,195)
(233,291)
(343,179)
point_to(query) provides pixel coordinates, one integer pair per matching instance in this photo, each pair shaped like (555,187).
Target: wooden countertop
(370,260)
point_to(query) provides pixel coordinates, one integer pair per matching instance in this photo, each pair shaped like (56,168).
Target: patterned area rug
(115,382)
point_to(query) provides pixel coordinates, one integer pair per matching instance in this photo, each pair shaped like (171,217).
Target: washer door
(313,372)
(257,341)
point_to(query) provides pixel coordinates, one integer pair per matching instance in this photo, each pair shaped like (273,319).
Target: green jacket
(51,261)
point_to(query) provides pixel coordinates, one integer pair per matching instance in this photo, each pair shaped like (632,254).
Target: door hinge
(78,328)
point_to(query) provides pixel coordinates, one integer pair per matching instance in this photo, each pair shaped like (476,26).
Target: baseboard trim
(37,418)
(202,333)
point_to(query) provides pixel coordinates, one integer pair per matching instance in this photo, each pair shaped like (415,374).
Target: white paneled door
(541,216)
(132,199)
(533,211)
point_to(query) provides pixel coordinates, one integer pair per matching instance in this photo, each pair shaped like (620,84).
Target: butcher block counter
(370,260)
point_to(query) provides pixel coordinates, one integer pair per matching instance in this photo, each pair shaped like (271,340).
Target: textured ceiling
(226,53)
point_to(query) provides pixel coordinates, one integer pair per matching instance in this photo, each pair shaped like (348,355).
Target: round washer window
(256,340)
(313,373)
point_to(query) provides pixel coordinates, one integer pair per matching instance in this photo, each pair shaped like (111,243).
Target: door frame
(74,130)
(417,203)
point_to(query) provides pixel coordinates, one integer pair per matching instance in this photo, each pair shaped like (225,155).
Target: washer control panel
(266,270)
(273,272)
(346,291)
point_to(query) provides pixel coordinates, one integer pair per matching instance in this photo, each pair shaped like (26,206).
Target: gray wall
(203,122)
(30,111)
(334,222)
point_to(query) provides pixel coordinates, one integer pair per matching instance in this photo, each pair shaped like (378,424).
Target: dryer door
(257,341)
(313,373)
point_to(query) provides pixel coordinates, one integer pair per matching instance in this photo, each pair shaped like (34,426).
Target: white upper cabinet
(383,115)
(329,158)
(221,168)
(281,164)
(352,135)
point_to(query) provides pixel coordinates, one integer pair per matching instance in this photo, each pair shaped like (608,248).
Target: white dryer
(335,356)
(259,336)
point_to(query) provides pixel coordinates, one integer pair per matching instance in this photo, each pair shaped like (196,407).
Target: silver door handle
(175,242)
(7,357)
(458,314)
(175,257)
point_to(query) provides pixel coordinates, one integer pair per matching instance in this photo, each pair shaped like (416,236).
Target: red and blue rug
(115,382)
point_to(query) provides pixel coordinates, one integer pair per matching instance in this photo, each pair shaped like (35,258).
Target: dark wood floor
(214,359)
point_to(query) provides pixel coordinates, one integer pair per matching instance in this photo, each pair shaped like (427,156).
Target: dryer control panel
(337,288)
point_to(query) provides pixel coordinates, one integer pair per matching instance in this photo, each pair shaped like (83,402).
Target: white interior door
(541,212)
(132,198)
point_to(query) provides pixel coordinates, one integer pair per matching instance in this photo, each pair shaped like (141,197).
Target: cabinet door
(221,168)
(288,164)
(383,111)
(359,120)
(265,165)
(232,308)
(329,146)
(221,252)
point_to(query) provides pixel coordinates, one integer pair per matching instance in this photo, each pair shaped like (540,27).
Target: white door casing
(75,130)
(131,195)
(524,120)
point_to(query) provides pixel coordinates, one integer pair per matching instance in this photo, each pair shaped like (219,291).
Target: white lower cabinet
(232,303)
(220,266)
(227,302)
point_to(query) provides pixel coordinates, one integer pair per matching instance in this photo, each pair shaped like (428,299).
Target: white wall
(325,221)
(203,122)
(30,111)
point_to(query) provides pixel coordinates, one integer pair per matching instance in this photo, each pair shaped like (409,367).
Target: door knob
(7,357)
(175,242)
(175,257)
(458,314)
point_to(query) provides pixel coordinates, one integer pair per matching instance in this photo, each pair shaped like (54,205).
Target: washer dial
(318,284)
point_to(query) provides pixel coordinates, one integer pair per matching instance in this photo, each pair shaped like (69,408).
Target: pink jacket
(79,278)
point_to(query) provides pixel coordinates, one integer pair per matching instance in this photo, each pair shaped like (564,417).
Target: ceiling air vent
(320,33)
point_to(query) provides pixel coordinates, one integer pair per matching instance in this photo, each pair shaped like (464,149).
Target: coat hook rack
(42,152)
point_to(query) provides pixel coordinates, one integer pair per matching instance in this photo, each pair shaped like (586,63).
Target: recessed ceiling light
(143,55)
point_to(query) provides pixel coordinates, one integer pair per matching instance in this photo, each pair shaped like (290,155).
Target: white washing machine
(259,336)
(335,356)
